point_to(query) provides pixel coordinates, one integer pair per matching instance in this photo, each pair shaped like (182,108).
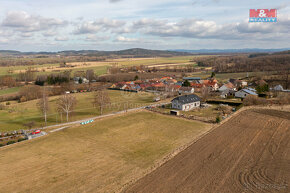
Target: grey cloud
(61,38)
(22,21)
(99,25)
(93,37)
(114,1)
(193,28)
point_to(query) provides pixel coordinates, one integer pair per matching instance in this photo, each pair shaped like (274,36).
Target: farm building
(186,102)
(245,92)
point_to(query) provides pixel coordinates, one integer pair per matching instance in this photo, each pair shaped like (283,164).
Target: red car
(36,132)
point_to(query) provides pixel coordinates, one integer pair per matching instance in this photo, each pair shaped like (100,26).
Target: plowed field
(249,153)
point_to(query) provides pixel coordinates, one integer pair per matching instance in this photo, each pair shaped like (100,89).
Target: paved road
(99,117)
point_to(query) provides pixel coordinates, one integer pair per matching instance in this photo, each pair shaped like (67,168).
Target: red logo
(263,13)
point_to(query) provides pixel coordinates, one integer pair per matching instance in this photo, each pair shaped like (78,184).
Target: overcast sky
(54,25)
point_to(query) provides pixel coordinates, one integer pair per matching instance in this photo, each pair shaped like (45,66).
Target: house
(172,88)
(245,92)
(212,83)
(227,93)
(238,83)
(228,86)
(186,90)
(186,102)
(278,88)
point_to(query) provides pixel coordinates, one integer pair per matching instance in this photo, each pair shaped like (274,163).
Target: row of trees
(244,63)
(66,103)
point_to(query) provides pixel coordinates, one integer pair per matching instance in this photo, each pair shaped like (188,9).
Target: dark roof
(191,78)
(187,99)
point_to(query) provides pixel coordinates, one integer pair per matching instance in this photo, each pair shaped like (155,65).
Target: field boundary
(171,155)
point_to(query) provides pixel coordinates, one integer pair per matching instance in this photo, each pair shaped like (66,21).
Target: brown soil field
(99,157)
(248,153)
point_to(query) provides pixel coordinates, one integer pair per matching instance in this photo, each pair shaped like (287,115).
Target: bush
(21,139)
(1,145)
(254,100)
(283,98)
(2,107)
(10,142)
(7,103)
(218,119)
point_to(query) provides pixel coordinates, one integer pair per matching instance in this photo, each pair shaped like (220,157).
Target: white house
(186,102)
(186,90)
(245,92)
(278,88)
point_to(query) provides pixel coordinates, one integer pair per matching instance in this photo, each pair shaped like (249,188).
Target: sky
(56,25)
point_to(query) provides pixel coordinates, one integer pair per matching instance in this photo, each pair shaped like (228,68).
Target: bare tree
(29,124)
(205,91)
(101,98)
(66,104)
(90,75)
(43,105)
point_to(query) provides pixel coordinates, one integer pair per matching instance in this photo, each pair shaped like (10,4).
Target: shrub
(10,142)
(283,98)
(1,145)
(254,100)
(7,103)
(2,107)
(218,119)
(21,139)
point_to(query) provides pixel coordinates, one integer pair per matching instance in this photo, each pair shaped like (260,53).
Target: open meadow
(15,115)
(99,67)
(98,157)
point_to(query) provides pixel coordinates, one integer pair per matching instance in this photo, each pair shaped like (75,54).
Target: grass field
(224,77)
(9,91)
(100,157)
(15,115)
(99,67)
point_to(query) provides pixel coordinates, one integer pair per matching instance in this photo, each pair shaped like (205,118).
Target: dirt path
(248,153)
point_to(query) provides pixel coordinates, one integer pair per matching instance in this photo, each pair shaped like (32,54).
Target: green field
(98,157)
(15,115)
(9,91)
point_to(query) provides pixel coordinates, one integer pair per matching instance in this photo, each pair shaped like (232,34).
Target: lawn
(99,157)
(208,112)
(15,115)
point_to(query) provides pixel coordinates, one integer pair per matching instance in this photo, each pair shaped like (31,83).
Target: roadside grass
(17,114)
(98,157)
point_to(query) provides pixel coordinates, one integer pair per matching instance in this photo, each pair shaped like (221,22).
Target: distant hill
(9,52)
(269,54)
(134,52)
(139,52)
(245,50)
